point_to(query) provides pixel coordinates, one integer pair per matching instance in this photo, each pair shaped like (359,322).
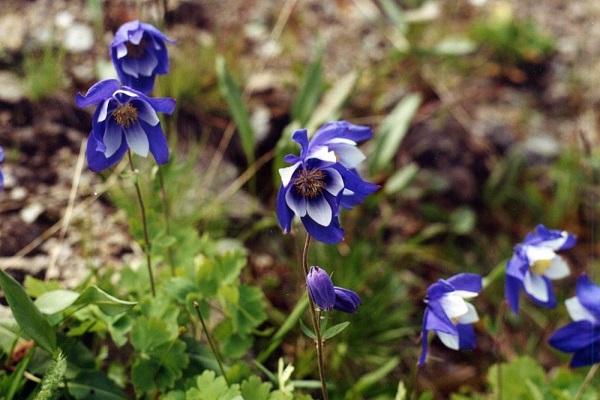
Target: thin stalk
(499,329)
(315,322)
(167,214)
(211,342)
(586,381)
(145,225)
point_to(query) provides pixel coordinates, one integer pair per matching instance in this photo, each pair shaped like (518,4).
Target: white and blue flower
(139,53)
(328,297)
(125,119)
(535,264)
(319,182)
(449,315)
(582,336)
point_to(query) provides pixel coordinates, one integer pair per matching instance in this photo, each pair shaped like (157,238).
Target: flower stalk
(315,321)
(586,382)
(211,342)
(147,247)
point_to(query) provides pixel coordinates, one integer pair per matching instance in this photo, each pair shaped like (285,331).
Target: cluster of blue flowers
(321,181)
(532,267)
(126,116)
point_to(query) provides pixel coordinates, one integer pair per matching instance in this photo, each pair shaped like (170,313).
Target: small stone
(12,87)
(18,193)
(12,32)
(30,213)
(78,38)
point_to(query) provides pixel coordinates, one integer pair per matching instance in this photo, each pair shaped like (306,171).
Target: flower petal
(98,92)
(285,214)
(470,317)
(137,139)
(287,173)
(575,336)
(535,286)
(319,210)
(145,112)
(157,141)
(113,136)
(467,282)
(450,341)
(512,289)
(558,269)
(454,306)
(466,337)
(331,234)
(296,202)
(334,183)
(348,155)
(586,356)
(589,295)
(97,161)
(577,311)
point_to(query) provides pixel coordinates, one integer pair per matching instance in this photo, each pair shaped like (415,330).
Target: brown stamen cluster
(310,183)
(136,51)
(125,115)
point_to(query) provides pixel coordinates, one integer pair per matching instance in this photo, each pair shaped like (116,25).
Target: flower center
(136,51)
(310,183)
(125,115)
(540,266)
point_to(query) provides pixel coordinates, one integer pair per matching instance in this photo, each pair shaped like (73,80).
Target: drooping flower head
(534,264)
(318,182)
(449,315)
(582,336)
(125,119)
(139,53)
(328,297)
(1,161)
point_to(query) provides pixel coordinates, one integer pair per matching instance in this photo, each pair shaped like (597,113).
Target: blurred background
(486,118)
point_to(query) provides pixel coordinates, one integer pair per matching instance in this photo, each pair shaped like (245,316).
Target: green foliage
(231,91)
(29,318)
(44,73)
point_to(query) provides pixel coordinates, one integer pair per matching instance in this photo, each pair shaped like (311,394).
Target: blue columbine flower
(534,264)
(328,297)
(449,315)
(1,161)
(317,184)
(581,337)
(139,53)
(124,119)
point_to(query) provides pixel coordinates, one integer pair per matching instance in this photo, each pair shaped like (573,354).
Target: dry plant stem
(315,322)
(586,381)
(144,224)
(167,213)
(211,343)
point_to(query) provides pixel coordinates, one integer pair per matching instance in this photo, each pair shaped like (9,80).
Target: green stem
(315,322)
(211,342)
(145,225)
(167,214)
(499,329)
(586,381)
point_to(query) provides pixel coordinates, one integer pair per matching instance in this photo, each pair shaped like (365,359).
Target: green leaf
(401,392)
(162,369)
(230,90)
(249,311)
(523,369)
(310,90)
(335,330)
(329,107)
(55,301)
(36,287)
(254,389)
(109,305)
(401,178)
(148,334)
(462,221)
(94,385)
(210,388)
(392,131)
(307,331)
(29,318)
(16,378)
(372,378)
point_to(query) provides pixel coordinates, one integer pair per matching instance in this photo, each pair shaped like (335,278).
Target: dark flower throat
(125,115)
(310,183)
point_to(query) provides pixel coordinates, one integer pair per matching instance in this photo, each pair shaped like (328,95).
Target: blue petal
(331,234)
(320,288)
(342,130)
(551,302)
(158,142)
(97,93)
(542,236)
(466,336)
(517,265)
(1,154)
(113,136)
(122,34)
(586,356)
(589,295)
(346,300)
(575,336)
(97,161)
(424,340)
(285,215)
(437,320)
(467,281)
(300,136)
(438,289)
(512,289)
(353,182)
